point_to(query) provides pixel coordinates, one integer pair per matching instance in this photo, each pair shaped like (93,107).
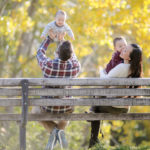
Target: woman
(132,56)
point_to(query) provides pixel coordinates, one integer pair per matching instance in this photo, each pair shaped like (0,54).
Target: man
(66,65)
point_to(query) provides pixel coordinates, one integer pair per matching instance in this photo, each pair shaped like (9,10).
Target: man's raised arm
(41,57)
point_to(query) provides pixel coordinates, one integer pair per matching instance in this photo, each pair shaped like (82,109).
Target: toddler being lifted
(58,28)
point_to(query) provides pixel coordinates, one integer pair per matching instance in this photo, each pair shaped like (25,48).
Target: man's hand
(42,37)
(61,36)
(52,34)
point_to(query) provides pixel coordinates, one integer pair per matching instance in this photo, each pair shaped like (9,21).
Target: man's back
(57,68)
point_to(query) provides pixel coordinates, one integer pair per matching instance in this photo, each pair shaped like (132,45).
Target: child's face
(60,19)
(125,54)
(120,45)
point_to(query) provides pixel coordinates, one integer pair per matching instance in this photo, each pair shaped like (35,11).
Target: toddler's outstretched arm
(69,32)
(46,30)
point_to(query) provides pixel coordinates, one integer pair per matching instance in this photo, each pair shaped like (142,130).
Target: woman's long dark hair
(135,62)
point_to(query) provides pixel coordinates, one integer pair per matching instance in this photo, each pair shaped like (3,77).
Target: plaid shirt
(57,68)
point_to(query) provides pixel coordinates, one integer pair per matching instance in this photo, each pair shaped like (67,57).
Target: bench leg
(24,84)
(22,137)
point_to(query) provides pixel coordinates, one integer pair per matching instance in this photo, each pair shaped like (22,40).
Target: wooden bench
(27,92)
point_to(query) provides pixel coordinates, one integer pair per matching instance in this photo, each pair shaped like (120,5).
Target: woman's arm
(116,71)
(120,70)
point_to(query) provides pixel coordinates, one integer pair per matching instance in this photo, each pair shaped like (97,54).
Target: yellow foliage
(17,0)
(95,23)
(117,123)
(20,59)
(106,127)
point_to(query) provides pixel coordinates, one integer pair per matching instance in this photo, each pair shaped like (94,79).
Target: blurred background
(95,23)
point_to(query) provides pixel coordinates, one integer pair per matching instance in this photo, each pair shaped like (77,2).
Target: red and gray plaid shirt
(57,68)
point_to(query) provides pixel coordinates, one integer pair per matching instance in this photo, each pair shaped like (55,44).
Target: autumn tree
(95,23)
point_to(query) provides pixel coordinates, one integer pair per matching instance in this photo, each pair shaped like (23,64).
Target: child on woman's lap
(119,44)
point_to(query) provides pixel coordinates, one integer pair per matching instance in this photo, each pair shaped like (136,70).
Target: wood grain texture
(76,81)
(77,92)
(79,102)
(77,117)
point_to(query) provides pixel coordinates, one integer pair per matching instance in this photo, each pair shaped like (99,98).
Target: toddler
(58,28)
(119,44)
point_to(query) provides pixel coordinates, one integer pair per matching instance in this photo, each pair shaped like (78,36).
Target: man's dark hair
(118,39)
(65,50)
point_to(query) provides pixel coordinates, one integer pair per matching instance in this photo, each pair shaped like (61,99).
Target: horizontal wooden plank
(76,92)
(76,117)
(10,92)
(90,92)
(79,102)
(75,81)
(91,102)
(10,102)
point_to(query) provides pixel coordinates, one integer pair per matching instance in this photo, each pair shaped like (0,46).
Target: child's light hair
(118,39)
(60,12)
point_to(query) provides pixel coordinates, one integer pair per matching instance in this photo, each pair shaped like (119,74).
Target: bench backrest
(85,92)
(82,90)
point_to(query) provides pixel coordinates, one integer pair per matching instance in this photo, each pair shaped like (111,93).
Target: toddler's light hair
(60,12)
(118,39)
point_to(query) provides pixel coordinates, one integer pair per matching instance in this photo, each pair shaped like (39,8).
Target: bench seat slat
(79,102)
(76,81)
(77,92)
(77,117)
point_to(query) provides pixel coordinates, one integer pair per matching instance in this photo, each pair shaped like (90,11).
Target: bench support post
(24,84)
